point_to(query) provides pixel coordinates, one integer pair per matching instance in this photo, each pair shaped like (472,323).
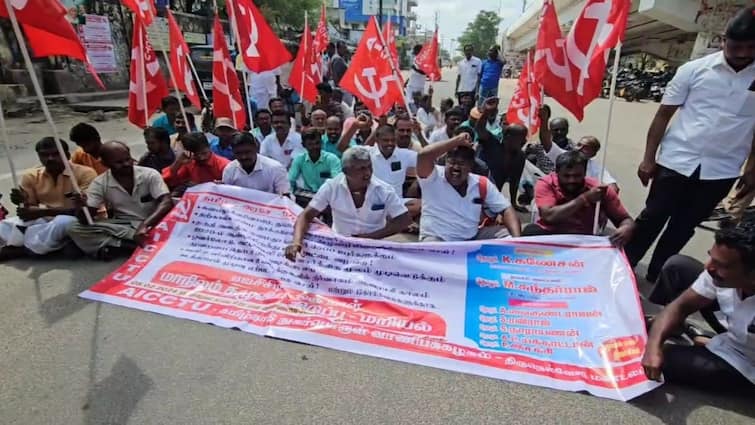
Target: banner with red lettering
(557,311)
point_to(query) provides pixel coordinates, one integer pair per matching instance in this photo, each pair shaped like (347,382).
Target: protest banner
(559,312)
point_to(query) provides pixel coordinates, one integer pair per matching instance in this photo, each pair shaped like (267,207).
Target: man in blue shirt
(490,74)
(221,143)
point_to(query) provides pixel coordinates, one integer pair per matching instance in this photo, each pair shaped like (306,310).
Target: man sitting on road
(453,119)
(221,143)
(726,283)
(87,138)
(409,133)
(362,206)
(393,165)
(333,141)
(263,121)
(453,199)
(135,197)
(159,154)
(566,202)
(283,144)
(196,164)
(45,209)
(252,170)
(314,167)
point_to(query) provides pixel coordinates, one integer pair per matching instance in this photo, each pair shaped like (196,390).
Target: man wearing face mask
(725,283)
(45,209)
(136,199)
(694,160)
(454,199)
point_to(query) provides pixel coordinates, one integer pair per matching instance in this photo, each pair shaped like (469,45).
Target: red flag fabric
(525,105)
(145,77)
(256,36)
(142,9)
(48,31)
(321,40)
(572,68)
(427,59)
(306,69)
(179,52)
(390,39)
(226,97)
(370,77)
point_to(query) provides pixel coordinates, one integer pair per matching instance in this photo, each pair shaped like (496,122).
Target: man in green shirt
(331,140)
(314,167)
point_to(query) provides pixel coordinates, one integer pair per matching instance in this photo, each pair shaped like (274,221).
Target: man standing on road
(726,283)
(469,70)
(416,81)
(490,75)
(704,148)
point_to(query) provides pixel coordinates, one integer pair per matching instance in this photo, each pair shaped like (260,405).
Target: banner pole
(142,71)
(611,101)
(178,93)
(6,144)
(304,72)
(395,71)
(196,77)
(235,29)
(43,104)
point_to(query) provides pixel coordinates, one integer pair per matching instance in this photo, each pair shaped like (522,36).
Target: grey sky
(456,14)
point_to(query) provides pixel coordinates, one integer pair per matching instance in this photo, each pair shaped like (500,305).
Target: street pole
(380,13)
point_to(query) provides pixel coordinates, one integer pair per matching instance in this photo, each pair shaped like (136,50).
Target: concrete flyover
(672,30)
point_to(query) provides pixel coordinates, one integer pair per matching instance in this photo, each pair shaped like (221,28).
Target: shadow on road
(112,400)
(673,404)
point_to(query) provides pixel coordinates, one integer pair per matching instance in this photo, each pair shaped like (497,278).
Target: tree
(482,33)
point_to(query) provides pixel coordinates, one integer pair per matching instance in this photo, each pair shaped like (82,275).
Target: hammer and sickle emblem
(376,91)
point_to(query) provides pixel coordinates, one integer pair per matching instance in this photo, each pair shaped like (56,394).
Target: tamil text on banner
(560,312)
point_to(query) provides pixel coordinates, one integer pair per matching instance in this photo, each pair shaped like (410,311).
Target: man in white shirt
(362,206)
(391,164)
(454,117)
(589,146)
(704,148)
(282,144)
(264,85)
(255,171)
(726,283)
(469,68)
(454,199)
(416,81)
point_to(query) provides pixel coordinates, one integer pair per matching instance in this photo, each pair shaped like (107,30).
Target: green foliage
(290,13)
(482,33)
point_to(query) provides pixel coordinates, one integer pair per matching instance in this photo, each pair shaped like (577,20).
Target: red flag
(390,39)
(525,105)
(48,31)
(142,9)
(321,40)
(427,59)
(256,36)
(572,68)
(305,73)
(370,77)
(145,77)
(179,52)
(226,97)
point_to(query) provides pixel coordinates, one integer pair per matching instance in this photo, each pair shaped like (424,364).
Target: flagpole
(196,76)
(235,29)
(178,93)
(395,72)
(611,101)
(304,71)
(43,104)
(142,71)
(6,144)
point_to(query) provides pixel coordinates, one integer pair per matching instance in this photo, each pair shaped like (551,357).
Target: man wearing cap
(453,199)
(224,130)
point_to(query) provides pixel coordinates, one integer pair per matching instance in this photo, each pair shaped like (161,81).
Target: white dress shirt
(268,175)
(469,71)
(439,135)
(713,127)
(285,153)
(737,346)
(393,170)
(451,217)
(380,203)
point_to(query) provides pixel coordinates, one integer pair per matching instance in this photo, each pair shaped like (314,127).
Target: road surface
(68,361)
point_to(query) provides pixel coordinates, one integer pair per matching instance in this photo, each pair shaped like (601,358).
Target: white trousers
(41,236)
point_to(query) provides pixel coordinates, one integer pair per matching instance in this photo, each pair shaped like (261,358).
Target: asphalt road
(68,361)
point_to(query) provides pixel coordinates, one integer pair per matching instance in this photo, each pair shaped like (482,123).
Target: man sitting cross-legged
(454,199)
(44,206)
(252,170)
(566,202)
(726,283)
(362,206)
(136,199)
(313,167)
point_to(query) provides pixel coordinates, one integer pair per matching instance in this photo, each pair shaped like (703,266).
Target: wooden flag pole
(142,71)
(611,101)
(40,95)
(6,144)
(178,93)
